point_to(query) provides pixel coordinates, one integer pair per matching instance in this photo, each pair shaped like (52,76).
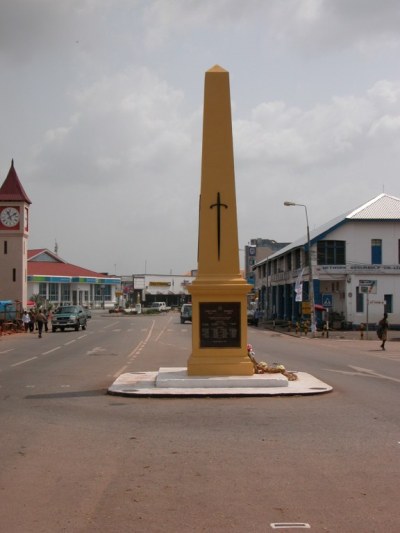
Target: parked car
(69,316)
(160,306)
(186,313)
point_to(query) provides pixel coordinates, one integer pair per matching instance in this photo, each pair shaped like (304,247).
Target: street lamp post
(311,279)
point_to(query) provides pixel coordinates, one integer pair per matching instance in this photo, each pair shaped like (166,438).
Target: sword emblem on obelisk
(218,205)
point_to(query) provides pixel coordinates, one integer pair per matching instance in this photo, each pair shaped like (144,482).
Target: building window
(331,252)
(359,301)
(289,262)
(5,247)
(102,293)
(388,303)
(65,292)
(53,292)
(297,261)
(14,274)
(43,291)
(376,251)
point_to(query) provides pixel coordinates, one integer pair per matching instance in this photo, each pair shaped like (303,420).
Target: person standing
(40,319)
(383,330)
(31,322)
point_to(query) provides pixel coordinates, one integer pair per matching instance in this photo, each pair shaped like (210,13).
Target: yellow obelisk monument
(219,292)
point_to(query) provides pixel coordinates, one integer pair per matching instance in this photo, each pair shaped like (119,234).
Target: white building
(55,281)
(148,288)
(355,268)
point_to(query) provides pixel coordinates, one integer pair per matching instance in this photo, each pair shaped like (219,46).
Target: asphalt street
(75,459)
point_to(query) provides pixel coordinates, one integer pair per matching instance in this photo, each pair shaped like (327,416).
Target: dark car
(69,316)
(186,313)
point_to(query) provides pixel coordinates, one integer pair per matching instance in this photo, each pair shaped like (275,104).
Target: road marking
(26,361)
(364,372)
(138,348)
(82,336)
(6,351)
(96,350)
(50,351)
(290,525)
(69,342)
(120,371)
(117,330)
(111,325)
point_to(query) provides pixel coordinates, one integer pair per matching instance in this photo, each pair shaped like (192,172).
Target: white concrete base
(176,382)
(178,378)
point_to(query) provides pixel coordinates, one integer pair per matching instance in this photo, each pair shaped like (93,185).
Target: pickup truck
(160,306)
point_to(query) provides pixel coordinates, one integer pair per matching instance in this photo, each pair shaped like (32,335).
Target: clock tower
(14,228)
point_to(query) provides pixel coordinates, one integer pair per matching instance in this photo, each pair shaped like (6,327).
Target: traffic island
(175,382)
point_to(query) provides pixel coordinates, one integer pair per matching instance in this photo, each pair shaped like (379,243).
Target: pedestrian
(40,319)
(26,320)
(32,321)
(46,316)
(382,330)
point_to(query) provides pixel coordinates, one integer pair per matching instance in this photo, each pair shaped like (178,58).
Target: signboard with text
(220,325)
(368,285)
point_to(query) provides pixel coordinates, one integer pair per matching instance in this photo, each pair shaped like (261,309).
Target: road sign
(306,308)
(327,300)
(368,285)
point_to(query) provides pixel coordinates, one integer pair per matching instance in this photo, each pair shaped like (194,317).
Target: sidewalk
(394,335)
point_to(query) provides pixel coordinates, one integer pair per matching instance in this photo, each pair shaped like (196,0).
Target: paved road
(77,460)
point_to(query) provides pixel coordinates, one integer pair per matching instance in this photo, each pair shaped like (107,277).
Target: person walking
(383,327)
(25,320)
(40,319)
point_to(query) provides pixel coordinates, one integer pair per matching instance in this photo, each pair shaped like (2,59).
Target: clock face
(9,217)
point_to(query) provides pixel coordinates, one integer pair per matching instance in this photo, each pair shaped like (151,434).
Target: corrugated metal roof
(382,207)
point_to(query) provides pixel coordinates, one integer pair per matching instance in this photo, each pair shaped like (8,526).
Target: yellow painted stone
(219,292)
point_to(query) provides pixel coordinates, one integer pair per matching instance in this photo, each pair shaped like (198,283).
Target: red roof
(12,190)
(57,266)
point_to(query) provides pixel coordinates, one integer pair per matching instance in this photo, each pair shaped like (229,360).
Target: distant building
(256,251)
(148,288)
(355,262)
(56,281)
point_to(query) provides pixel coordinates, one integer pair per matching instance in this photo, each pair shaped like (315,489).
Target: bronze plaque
(220,325)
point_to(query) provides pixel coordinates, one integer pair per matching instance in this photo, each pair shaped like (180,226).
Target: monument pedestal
(219,334)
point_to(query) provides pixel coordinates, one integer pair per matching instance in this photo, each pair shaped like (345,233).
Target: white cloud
(102,111)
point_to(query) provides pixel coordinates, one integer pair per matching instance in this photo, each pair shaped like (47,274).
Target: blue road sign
(327,300)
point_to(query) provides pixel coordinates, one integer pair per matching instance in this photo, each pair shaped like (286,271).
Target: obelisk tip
(216,68)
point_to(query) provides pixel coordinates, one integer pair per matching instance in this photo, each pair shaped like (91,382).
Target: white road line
(111,325)
(82,336)
(69,342)
(134,352)
(120,371)
(26,361)
(6,351)
(50,351)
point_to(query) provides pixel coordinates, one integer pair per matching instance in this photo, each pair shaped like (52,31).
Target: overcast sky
(101,108)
